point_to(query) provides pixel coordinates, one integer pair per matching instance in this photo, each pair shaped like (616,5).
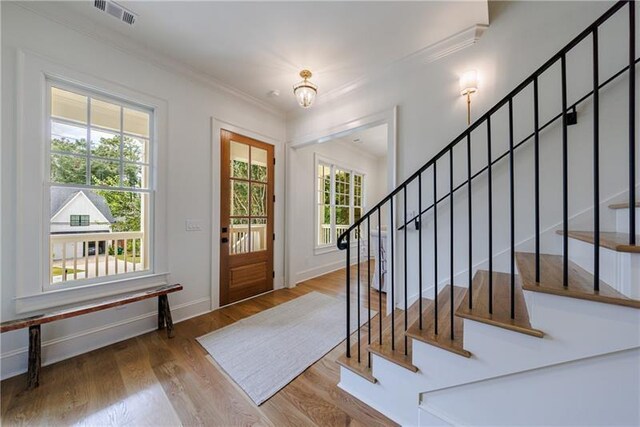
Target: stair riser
(620,270)
(574,329)
(595,391)
(622,220)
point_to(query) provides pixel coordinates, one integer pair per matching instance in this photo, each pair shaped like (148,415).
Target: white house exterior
(68,203)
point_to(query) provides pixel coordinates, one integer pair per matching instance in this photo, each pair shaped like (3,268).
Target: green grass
(130,258)
(57,271)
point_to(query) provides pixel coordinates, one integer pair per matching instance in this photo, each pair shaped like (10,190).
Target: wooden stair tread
(580,281)
(397,355)
(622,205)
(618,242)
(351,363)
(443,339)
(501,315)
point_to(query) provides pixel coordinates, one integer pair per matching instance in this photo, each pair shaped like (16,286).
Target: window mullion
(122,147)
(332,203)
(88,160)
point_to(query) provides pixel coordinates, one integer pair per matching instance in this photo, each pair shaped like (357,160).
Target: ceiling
(372,140)
(257,47)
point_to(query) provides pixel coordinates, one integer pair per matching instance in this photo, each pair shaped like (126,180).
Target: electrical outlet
(192,225)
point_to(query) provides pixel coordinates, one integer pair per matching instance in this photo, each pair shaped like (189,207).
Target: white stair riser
(575,329)
(620,270)
(596,391)
(622,220)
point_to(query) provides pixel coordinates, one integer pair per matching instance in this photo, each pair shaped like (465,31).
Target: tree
(125,206)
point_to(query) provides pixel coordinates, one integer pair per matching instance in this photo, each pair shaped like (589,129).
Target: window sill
(74,295)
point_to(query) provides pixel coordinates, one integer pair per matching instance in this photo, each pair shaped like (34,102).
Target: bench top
(65,313)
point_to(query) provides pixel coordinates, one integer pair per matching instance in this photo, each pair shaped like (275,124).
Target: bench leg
(161,319)
(164,313)
(33,373)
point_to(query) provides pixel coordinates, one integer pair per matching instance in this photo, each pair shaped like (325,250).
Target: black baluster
(596,164)
(512,212)
(451,238)
(435,248)
(490,213)
(406,255)
(380,276)
(358,291)
(536,172)
(369,288)
(565,177)
(469,219)
(348,297)
(392,273)
(420,249)
(632,122)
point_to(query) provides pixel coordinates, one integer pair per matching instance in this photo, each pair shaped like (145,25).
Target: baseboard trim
(14,362)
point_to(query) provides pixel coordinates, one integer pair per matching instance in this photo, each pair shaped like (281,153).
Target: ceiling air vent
(115,10)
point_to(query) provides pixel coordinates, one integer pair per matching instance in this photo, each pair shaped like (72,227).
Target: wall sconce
(469,85)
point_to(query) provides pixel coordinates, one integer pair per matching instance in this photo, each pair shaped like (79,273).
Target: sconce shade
(469,82)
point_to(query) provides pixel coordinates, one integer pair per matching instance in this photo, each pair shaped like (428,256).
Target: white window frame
(102,96)
(333,165)
(32,191)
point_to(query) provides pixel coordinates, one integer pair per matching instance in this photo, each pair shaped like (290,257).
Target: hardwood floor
(152,380)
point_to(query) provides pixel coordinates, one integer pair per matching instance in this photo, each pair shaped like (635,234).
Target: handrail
(529,80)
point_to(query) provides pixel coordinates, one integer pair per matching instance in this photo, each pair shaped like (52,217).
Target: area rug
(266,351)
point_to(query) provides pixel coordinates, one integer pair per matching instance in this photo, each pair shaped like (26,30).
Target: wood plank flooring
(152,380)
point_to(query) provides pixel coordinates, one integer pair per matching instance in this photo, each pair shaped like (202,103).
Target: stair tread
(624,205)
(397,355)
(443,339)
(618,242)
(580,281)
(501,315)
(359,368)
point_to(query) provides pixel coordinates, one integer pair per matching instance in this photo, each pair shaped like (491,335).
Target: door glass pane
(68,105)
(258,234)
(67,138)
(259,164)
(136,122)
(239,236)
(258,199)
(105,115)
(105,144)
(239,198)
(239,160)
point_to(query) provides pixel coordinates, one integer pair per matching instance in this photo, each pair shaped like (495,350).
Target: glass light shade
(469,82)
(305,93)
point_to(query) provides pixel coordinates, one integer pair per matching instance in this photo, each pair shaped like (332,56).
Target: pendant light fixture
(305,91)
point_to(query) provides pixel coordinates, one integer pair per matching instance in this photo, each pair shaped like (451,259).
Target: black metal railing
(533,81)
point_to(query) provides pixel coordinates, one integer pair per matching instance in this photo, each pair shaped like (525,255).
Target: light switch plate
(192,225)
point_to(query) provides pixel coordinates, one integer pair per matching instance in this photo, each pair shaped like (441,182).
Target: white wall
(431,113)
(191,179)
(306,261)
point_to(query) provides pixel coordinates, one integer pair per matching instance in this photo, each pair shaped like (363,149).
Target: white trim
(160,61)
(32,205)
(431,53)
(217,125)
(15,362)
(388,117)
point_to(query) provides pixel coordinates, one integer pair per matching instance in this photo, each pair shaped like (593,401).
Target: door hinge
(274,236)
(274,198)
(273,274)
(274,160)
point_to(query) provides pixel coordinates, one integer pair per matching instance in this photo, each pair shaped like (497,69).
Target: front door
(246,217)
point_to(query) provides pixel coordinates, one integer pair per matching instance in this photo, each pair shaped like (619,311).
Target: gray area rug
(264,352)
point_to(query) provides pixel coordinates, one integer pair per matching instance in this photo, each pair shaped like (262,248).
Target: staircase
(495,318)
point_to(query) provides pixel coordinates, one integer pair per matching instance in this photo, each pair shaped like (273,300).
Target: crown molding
(431,53)
(160,61)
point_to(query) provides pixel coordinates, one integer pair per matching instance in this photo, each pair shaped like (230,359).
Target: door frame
(388,117)
(217,125)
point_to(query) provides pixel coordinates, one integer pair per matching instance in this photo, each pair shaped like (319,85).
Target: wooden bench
(34,322)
